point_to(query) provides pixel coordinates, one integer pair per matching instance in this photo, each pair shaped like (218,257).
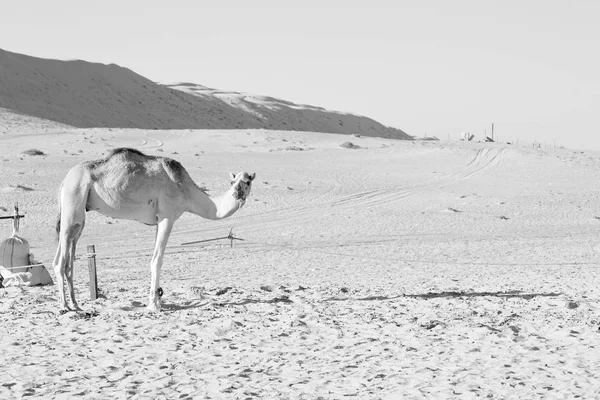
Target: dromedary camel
(128,184)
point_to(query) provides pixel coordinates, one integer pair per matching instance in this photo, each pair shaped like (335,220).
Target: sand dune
(14,122)
(85,94)
(280,114)
(398,270)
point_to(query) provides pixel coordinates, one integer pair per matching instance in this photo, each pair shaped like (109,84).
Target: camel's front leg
(162,236)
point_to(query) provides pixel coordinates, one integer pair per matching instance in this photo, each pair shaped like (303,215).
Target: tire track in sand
(485,161)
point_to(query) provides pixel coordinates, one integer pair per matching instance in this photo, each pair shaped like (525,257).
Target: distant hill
(84,94)
(284,115)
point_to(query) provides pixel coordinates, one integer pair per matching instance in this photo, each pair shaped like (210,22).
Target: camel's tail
(58,226)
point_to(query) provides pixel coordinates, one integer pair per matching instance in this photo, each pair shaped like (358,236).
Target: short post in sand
(91,249)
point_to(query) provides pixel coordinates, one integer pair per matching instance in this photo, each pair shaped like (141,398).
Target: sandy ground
(401,270)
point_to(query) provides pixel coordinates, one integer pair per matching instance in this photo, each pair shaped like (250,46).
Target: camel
(127,184)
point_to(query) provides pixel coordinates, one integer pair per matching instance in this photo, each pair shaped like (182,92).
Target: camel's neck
(210,207)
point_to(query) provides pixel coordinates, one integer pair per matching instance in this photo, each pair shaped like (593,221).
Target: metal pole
(91,249)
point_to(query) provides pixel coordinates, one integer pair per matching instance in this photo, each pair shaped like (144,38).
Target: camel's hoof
(76,308)
(153,309)
(154,305)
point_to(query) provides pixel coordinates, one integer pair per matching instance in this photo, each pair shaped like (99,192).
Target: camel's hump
(125,151)
(173,168)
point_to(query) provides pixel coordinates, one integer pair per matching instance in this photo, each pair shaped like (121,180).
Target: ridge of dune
(281,114)
(85,94)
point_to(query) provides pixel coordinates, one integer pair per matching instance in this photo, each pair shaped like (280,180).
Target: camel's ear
(231,176)
(252,176)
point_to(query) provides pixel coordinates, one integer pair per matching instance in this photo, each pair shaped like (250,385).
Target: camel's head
(241,185)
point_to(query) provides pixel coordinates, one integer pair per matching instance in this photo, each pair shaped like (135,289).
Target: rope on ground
(249,244)
(421,261)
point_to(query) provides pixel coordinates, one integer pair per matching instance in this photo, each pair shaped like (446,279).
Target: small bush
(33,152)
(349,145)
(294,148)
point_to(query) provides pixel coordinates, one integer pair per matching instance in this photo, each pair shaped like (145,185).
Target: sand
(397,270)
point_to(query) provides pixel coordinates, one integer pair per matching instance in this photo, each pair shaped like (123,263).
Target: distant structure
(17,265)
(466,136)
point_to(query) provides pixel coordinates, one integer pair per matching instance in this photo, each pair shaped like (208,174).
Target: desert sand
(398,270)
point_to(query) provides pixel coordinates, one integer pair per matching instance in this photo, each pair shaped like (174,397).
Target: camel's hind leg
(59,270)
(63,263)
(74,236)
(73,197)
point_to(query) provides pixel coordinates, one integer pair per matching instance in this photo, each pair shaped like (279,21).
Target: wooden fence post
(91,249)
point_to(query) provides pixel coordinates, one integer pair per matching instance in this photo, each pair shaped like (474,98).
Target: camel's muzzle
(242,190)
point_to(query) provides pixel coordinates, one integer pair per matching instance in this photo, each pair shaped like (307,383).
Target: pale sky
(426,67)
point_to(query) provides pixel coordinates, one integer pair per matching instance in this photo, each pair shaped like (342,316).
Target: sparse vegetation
(294,148)
(291,148)
(349,145)
(33,152)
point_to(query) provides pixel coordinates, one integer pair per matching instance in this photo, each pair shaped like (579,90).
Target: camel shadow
(166,307)
(511,294)
(188,305)
(173,307)
(278,299)
(453,294)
